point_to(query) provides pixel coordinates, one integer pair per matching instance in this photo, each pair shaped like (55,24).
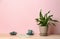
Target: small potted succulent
(30,32)
(13,33)
(44,21)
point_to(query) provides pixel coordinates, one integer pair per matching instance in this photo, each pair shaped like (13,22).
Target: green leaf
(55,20)
(41,16)
(50,15)
(53,24)
(47,13)
(50,18)
(38,23)
(37,19)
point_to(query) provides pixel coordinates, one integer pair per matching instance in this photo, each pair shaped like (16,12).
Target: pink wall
(19,15)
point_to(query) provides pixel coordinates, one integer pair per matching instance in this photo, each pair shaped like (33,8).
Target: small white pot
(43,30)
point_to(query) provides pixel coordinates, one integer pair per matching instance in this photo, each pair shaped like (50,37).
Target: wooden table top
(7,36)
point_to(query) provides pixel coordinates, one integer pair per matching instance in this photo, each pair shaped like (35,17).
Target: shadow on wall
(52,29)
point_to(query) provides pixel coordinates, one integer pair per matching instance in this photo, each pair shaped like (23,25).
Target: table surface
(6,36)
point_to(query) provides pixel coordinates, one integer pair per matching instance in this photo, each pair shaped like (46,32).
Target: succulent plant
(30,32)
(13,33)
(45,20)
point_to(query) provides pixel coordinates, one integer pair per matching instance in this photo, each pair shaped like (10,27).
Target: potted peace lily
(44,21)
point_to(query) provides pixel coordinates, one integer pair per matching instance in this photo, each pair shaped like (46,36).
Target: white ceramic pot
(43,30)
